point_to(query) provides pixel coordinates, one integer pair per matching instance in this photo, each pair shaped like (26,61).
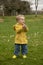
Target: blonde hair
(19,17)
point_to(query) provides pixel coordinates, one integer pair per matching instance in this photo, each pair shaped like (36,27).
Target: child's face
(21,20)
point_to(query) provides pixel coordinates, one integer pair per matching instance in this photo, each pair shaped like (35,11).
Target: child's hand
(24,26)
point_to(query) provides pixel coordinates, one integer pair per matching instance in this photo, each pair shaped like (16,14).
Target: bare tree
(36,6)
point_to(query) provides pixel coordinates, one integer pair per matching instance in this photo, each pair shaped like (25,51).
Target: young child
(21,39)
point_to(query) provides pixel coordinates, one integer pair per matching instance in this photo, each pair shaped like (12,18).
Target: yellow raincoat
(20,37)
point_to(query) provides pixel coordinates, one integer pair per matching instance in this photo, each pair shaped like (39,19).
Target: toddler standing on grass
(20,39)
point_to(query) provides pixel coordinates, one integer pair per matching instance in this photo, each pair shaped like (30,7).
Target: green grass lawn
(35,41)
